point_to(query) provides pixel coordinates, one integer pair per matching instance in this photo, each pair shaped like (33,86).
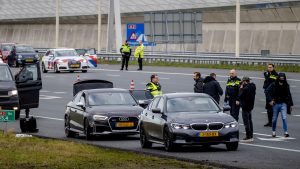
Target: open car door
(29,84)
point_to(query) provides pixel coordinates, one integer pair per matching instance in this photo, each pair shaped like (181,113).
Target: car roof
(114,90)
(179,95)
(23,45)
(59,49)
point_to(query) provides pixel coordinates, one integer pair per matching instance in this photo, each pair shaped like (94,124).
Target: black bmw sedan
(187,119)
(102,111)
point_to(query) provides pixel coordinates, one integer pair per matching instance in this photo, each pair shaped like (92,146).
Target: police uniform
(154,88)
(126,52)
(139,54)
(231,96)
(270,77)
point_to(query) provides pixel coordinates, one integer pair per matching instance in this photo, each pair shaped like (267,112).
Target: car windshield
(81,51)
(62,53)
(142,94)
(24,49)
(191,104)
(5,74)
(6,48)
(100,99)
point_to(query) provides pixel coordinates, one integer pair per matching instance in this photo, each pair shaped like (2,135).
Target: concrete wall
(275,29)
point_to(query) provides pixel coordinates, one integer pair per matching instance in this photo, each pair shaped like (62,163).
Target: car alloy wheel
(68,132)
(232,146)
(143,139)
(44,68)
(169,145)
(56,69)
(87,130)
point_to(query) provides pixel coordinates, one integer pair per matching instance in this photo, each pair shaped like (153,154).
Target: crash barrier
(280,60)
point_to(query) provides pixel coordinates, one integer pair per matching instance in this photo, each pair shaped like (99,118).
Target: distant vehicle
(24,53)
(64,60)
(101,111)
(6,49)
(187,119)
(90,55)
(144,97)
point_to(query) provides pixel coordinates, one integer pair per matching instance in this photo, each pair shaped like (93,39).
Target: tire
(68,132)
(232,146)
(143,139)
(56,69)
(84,71)
(87,130)
(44,68)
(17,64)
(168,142)
(17,114)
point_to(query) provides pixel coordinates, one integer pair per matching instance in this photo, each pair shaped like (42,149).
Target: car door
(29,83)
(150,118)
(158,120)
(78,113)
(72,110)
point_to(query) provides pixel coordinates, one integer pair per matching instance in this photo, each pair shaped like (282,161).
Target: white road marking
(270,147)
(111,75)
(46,97)
(185,74)
(296,115)
(60,92)
(143,83)
(44,91)
(277,137)
(164,78)
(293,86)
(50,118)
(264,112)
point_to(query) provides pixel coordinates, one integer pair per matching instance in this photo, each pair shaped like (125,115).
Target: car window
(29,73)
(5,74)
(82,100)
(62,53)
(160,104)
(114,98)
(47,53)
(142,94)
(191,104)
(154,103)
(24,49)
(77,97)
(6,47)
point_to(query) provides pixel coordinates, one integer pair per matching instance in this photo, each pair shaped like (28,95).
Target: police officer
(126,52)
(231,93)
(270,77)
(154,87)
(139,54)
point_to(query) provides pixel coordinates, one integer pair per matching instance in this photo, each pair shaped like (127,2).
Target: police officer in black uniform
(270,77)
(126,53)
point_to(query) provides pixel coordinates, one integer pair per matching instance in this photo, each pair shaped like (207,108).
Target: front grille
(3,93)
(113,121)
(215,126)
(74,62)
(4,99)
(199,126)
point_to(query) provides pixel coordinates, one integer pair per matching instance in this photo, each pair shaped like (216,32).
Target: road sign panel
(135,34)
(7,115)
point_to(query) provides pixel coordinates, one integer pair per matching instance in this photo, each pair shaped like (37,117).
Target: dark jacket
(212,88)
(198,86)
(269,78)
(232,89)
(280,94)
(247,96)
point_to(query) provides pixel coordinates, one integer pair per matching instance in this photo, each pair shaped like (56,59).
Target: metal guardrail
(212,59)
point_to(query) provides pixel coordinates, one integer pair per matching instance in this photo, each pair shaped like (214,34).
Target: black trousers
(140,60)
(235,109)
(247,119)
(269,112)
(125,61)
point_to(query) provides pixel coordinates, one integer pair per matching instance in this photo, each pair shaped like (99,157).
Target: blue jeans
(276,109)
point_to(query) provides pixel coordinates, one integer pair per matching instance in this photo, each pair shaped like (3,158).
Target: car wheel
(84,71)
(143,139)
(232,146)
(68,132)
(17,64)
(87,130)
(17,114)
(56,69)
(44,68)
(168,142)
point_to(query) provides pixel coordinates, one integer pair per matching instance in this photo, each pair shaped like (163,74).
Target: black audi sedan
(102,111)
(187,119)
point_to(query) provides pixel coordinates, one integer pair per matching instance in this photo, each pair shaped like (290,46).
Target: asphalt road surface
(265,152)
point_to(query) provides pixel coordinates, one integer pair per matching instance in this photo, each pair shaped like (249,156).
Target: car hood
(115,110)
(77,58)
(27,55)
(7,85)
(199,117)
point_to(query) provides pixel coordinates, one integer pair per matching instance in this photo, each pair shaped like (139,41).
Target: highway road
(265,152)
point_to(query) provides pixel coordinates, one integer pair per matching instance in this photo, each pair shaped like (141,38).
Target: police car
(64,60)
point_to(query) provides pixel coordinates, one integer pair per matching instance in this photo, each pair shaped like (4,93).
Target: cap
(246,78)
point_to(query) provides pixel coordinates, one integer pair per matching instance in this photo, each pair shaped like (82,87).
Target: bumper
(66,67)
(27,60)
(9,103)
(192,137)
(103,128)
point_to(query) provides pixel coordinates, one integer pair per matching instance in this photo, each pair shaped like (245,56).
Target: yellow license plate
(29,60)
(75,66)
(209,134)
(125,124)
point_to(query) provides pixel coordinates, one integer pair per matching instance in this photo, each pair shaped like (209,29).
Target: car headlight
(37,56)
(99,117)
(20,56)
(13,93)
(139,116)
(84,61)
(178,126)
(231,125)
(60,61)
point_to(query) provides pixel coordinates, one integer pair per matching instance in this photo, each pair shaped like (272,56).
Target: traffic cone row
(132,85)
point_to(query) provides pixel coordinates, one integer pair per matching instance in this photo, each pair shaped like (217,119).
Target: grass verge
(285,68)
(46,153)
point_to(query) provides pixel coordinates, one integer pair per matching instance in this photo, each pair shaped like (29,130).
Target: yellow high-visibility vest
(139,51)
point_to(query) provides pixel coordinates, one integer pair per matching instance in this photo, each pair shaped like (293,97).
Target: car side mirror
(156,111)
(226,108)
(80,104)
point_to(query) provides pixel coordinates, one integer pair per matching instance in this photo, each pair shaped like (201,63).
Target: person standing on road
(231,93)
(270,77)
(154,87)
(139,54)
(212,87)
(246,100)
(279,97)
(126,53)
(198,86)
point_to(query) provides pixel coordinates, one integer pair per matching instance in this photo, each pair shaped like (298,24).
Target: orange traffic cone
(78,78)
(132,85)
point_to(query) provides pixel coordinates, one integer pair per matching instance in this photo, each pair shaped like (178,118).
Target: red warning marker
(133,36)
